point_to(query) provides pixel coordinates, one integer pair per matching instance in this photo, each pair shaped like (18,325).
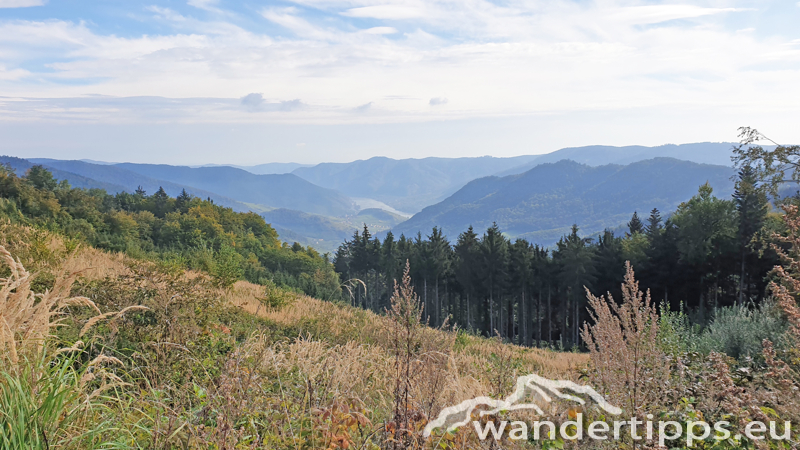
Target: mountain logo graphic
(457,416)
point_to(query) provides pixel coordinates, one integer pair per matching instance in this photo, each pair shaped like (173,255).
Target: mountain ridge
(542,203)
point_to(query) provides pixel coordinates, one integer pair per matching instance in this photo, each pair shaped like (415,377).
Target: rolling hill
(542,203)
(274,191)
(115,179)
(410,185)
(21,166)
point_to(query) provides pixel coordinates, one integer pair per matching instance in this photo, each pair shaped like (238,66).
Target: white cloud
(20,3)
(253,100)
(662,13)
(518,58)
(209,5)
(391,12)
(381,30)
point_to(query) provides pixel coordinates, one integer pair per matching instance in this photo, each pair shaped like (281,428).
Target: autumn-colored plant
(786,286)
(27,318)
(627,362)
(421,357)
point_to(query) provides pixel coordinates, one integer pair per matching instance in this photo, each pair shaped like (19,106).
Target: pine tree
(493,266)
(576,260)
(438,263)
(752,205)
(466,257)
(520,271)
(635,225)
(182,201)
(653,226)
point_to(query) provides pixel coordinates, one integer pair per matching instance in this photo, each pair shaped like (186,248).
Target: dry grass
(26,318)
(335,375)
(94,264)
(318,318)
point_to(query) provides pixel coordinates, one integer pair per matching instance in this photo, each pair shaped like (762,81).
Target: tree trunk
(741,280)
(438,304)
(549,319)
(539,318)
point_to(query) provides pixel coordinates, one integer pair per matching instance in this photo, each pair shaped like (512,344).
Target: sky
(245,82)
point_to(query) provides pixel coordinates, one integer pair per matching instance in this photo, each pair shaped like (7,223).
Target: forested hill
(542,203)
(88,175)
(277,191)
(230,186)
(79,181)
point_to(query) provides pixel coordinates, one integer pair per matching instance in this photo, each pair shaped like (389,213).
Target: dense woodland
(184,232)
(708,254)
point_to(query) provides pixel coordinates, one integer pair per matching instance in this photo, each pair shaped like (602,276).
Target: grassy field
(189,365)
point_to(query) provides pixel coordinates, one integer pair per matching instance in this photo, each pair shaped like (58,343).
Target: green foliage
(676,335)
(227,267)
(739,330)
(773,166)
(44,403)
(706,255)
(184,231)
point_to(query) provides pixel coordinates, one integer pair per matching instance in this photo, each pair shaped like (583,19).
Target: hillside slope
(115,179)
(542,203)
(21,166)
(276,191)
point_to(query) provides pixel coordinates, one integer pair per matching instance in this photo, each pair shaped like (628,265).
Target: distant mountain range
(274,191)
(229,186)
(527,195)
(407,184)
(265,169)
(716,153)
(114,179)
(542,203)
(412,184)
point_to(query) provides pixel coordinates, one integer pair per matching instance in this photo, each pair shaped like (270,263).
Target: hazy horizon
(311,164)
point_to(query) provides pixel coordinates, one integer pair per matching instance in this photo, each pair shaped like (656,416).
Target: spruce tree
(653,226)
(493,267)
(466,271)
(635,225)
(752,205)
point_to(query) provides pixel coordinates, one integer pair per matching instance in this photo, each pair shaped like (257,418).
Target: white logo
(528,385)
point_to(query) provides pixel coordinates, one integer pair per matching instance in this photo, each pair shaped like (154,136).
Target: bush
(676,334)
(739,330)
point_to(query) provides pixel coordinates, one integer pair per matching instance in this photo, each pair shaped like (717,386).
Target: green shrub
(676,334)
(739,330)
(227,267)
